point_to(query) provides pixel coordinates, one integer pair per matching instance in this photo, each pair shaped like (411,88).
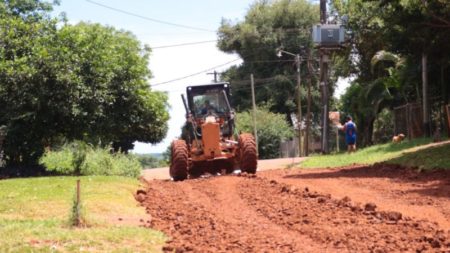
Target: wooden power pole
(299,106)
(324,59)
(308,108)
(255,133)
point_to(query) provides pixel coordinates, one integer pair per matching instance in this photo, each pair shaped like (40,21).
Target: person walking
(349,129)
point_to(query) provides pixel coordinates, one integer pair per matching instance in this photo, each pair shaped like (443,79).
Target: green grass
(369,155)
(34,214)
(429,158)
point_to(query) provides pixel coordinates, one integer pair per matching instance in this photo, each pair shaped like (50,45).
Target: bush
(61,162)
(79,158)
(383,127)
(272,129)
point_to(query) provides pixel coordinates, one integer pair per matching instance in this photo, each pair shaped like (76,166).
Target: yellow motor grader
(209,141)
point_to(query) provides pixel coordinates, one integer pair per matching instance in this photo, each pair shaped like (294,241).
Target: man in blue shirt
(349,129)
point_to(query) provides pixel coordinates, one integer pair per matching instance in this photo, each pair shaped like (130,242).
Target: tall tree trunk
(445,95)
(425,102)
(368,131)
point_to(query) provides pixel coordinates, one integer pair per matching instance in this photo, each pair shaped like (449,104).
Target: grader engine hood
(211,138)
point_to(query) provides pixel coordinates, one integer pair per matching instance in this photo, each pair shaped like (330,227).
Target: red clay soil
(297,211)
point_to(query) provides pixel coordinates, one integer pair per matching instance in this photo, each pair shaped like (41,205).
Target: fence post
(447,109)
(78,219)
(409,120)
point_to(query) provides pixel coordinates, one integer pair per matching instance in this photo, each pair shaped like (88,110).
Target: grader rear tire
(179,160)
(248,153)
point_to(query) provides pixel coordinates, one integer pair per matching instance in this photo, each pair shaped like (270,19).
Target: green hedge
(79,158)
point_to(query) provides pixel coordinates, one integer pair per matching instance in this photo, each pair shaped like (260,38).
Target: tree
(113,74)
(272,129)
(83,82)
(266,27)
(409,29)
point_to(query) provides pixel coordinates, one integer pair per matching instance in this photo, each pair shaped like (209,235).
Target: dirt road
(356,209)
(268,164)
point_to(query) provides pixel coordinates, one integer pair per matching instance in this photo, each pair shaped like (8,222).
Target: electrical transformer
(328,35)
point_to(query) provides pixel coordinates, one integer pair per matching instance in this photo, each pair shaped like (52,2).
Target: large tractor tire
(179,160)
(248,155)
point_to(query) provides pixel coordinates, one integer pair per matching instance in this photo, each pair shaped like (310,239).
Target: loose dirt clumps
(140,195)
(340,224)
(248,213)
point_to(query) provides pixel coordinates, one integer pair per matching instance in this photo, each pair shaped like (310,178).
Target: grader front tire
(179,160)
(248,153)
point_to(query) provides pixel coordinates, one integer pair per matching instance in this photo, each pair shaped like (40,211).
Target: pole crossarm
(286,52)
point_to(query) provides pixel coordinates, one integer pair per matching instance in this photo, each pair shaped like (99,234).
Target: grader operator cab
(209,141)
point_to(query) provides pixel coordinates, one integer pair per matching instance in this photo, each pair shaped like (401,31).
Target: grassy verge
(34,214)
(391,152)
(427,158)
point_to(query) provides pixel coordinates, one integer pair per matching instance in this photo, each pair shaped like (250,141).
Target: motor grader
(209,141)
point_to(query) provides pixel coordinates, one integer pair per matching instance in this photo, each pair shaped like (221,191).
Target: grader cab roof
(213,94)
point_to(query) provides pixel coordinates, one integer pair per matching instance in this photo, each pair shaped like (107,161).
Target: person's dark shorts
(351,140)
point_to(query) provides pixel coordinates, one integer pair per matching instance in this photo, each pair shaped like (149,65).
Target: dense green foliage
(81,159)
(383,127)
(269,25)
(61,82)
(390,38)
(272,129)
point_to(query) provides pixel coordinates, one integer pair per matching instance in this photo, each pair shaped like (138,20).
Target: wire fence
(408,120)
(290,148)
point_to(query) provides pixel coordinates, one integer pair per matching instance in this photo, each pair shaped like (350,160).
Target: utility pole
(324,59)
(323,11)
(308,108)
(215,73)
(299,106)
(255,133)
(299,97)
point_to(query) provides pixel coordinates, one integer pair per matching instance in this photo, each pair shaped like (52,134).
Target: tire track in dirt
(252,214)
(207,215)
(423,195)
(341,225)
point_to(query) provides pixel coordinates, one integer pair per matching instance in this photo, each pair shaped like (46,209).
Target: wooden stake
(78,220)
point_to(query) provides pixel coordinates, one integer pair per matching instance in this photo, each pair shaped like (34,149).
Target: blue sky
(167,63)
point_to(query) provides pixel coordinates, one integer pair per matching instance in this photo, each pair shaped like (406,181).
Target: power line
(150,19)
(197,73)
(185,44)
(212,68)
(286,30)
(262,82)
